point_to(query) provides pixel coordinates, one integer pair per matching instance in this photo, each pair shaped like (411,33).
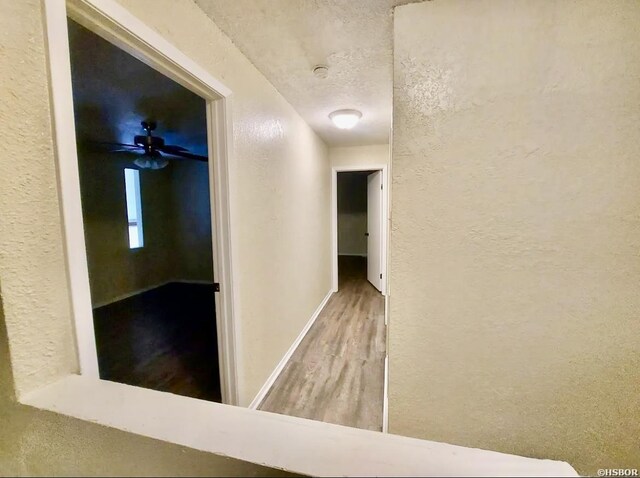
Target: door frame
(117,25)
(384,222)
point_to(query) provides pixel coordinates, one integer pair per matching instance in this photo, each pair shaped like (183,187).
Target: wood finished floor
(336,375)
(164,339)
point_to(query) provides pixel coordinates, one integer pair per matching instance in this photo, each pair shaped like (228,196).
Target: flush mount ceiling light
(345,119)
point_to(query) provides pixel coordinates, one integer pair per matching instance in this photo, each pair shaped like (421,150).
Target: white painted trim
(220,145)
(334,230)
(385,396)
(287,356)
(113,22)
(301,446)
(63,124)
(334,219)
(120,297)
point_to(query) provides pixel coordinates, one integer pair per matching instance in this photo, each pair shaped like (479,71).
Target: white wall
(352,156)
(515,243)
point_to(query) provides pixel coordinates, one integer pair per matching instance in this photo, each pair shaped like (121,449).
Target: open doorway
(359,227)
(146,207)
(337,371)
(359,223)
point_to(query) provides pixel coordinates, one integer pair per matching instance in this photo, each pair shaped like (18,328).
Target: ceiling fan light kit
(150,163)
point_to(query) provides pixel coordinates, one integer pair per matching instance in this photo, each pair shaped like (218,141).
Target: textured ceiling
(285,39)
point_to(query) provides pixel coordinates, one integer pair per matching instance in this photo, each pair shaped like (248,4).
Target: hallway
(336,375)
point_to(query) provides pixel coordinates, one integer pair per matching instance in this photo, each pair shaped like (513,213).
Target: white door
(374,229)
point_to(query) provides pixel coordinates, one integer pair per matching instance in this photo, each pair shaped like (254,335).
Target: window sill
(277,441)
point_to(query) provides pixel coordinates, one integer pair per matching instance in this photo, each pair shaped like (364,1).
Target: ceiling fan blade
(185,154)
(121,145)
(168,148)
(108,147)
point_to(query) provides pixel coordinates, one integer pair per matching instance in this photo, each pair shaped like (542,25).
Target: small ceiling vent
(321,71)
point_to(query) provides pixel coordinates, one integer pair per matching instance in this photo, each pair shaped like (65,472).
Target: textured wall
(282,240)
(32,269)
(359,155)
(515,263)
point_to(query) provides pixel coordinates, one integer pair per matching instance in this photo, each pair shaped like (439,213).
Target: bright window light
(134,207)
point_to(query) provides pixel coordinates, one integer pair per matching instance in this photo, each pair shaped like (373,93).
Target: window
(134,207)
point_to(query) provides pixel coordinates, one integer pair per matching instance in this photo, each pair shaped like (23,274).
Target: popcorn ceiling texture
(282,243)
(285,39)
(515,245)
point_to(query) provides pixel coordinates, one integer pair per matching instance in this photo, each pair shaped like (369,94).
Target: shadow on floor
(164,339)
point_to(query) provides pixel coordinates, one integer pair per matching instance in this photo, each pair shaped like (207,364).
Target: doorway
(145,180)
(147,221)
(359,222)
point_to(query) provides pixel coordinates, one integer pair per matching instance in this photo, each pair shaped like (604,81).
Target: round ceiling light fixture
(345,119)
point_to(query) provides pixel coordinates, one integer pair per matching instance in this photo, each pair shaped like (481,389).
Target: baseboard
(287,356)
(120,297)
(352,255)
(200,282)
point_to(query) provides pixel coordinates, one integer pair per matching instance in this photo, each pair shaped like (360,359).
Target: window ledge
(277,441)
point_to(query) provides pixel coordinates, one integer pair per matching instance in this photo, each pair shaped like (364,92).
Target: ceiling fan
(153,152)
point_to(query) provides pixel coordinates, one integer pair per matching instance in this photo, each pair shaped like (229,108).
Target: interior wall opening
(146,206)
(337,373)
(359,203)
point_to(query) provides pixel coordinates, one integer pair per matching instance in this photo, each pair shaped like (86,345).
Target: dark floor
(336,374)
(164,339)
